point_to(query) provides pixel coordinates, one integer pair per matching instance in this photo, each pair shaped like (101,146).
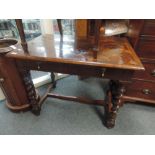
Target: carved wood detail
(31,92)
(113,102)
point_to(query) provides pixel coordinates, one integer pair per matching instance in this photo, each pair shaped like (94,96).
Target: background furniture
(141,34)
(143,85)
(10,79)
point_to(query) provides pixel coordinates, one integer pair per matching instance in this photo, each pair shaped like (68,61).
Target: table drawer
(148,74)
(146,48)
(141,89)
(149,28)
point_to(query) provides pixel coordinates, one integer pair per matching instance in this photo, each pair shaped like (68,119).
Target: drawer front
(148,74)
(146,48)
(149,28)
(141,89)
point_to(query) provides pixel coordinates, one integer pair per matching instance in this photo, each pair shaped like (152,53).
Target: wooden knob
(103,72)
(1,80)
(38,66)
(146,91)
(153,73)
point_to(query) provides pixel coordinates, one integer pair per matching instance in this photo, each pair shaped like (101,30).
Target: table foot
(53,80)
(36,110)
(110,120)
(113,102)
(110,111)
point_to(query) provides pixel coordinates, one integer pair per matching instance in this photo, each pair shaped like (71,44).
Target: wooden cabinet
(148,28)
(146,47)
(12,85)
(141,34)
(145,91)
(143,84)
(148,74)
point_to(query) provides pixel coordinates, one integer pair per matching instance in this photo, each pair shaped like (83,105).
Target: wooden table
(114,59)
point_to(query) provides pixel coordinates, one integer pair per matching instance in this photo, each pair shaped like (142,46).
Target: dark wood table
(114,59)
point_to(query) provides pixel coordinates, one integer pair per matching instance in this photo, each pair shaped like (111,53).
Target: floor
(60,117)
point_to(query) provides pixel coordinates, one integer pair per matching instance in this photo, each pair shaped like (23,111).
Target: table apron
(74,69)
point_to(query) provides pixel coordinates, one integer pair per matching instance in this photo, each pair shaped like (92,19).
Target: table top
(113,52)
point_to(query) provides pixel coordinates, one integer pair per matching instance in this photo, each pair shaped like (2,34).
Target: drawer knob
(146,91)
(1,80)
(103,72)
(38,66)
(153,73)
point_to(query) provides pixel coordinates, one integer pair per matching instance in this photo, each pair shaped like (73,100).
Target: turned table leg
(113,102)
(31,92)
(53,80)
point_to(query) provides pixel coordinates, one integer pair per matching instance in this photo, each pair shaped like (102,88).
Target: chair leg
(60,26)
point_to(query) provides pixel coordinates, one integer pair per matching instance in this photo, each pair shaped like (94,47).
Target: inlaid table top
(112,52)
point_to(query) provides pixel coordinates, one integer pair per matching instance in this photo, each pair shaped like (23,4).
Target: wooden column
(12,85)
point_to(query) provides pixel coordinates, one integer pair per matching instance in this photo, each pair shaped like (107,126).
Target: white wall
(46,26)
(2,97)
